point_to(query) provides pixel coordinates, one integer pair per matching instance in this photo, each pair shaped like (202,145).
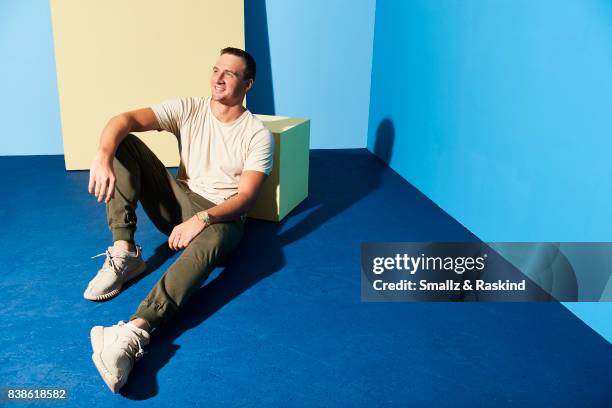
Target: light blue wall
(321,56)
(29,103)
(501,113)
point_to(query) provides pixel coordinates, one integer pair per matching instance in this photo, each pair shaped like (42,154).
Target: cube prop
(287,184)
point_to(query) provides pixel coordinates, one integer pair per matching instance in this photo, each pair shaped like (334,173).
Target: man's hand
(183,233)
(101,174)
(102,178)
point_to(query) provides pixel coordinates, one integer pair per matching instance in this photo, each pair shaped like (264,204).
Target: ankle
(125,245)
(141,324)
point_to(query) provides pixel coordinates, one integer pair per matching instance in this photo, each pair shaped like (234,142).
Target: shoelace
(110,260)
(133,344)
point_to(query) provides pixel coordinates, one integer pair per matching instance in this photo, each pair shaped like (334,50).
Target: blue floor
(282,324)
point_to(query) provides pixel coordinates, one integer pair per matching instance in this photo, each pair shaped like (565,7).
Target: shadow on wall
(385,138)
(260,98)
(543,264)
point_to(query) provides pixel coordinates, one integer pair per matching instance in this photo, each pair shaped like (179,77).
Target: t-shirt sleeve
(172,114)
(260,154)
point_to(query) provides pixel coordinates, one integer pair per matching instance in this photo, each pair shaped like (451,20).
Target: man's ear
(249,85)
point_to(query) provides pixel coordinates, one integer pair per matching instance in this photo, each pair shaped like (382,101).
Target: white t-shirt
(214,154)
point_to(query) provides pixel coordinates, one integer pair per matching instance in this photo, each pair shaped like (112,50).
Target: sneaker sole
(115,292)
(97,344)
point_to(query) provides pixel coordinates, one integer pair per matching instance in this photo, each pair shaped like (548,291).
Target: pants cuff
(151,315)
(123,234)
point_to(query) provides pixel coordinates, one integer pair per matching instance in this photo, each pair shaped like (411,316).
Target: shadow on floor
(337,181)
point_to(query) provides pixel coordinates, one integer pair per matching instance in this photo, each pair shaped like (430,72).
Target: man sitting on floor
(226,154)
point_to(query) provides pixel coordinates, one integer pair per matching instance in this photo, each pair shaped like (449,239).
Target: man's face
(227,83)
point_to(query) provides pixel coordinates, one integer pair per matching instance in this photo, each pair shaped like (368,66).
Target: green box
(287,184)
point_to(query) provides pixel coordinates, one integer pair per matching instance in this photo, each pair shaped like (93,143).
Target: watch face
(204,217)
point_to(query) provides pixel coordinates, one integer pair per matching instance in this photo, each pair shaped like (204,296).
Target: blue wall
(500,112)
(29,103)
(320,56)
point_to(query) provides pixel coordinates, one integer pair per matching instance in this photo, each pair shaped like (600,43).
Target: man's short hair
(249,61)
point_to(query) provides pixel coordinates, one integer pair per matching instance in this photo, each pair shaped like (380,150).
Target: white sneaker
(115,350)
(119,267)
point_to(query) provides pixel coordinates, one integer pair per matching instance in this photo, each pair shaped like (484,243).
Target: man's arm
(101,174)
(248,189)
(258,163)
(118,127)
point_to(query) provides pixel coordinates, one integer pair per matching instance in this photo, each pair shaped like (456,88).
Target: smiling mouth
(219,88)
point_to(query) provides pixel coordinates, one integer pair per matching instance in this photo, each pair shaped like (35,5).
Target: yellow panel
(118,55)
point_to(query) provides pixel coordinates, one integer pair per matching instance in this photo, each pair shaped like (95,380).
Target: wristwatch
(204,217)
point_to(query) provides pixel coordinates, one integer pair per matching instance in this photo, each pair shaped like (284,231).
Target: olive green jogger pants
(141,177)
